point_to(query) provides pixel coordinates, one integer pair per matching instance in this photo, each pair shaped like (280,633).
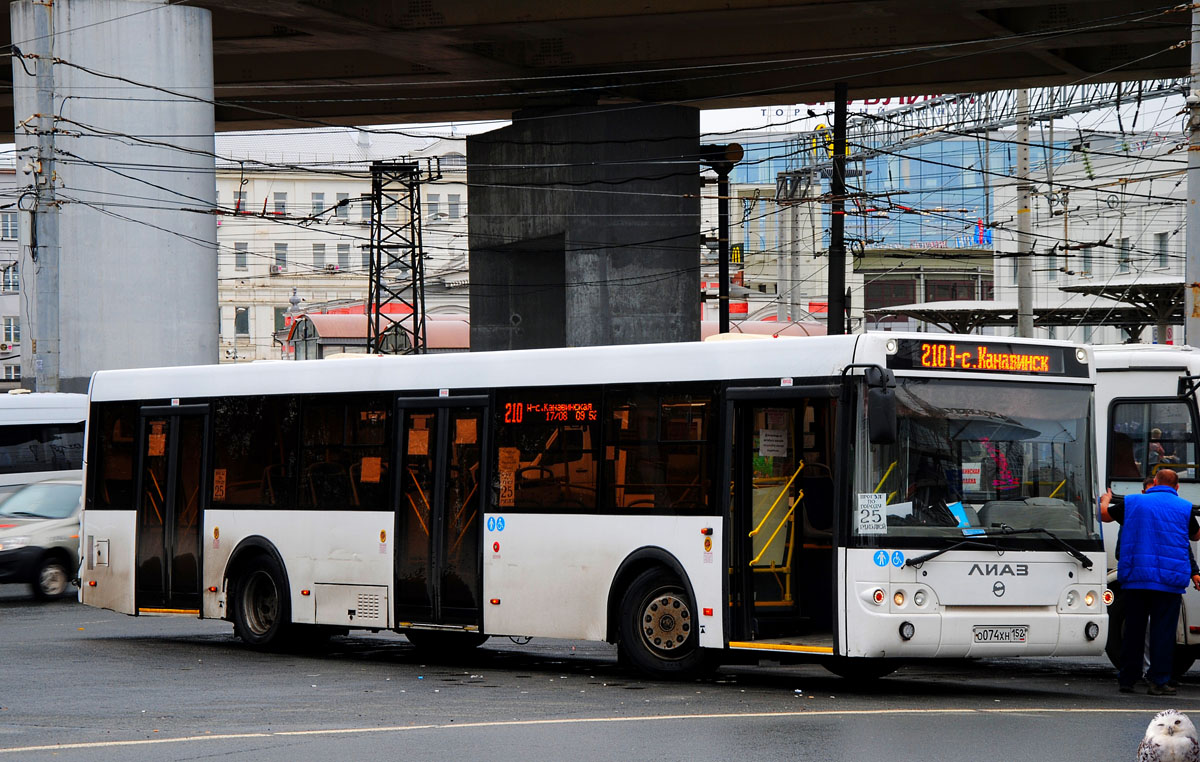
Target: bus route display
(549,412)
(985,357)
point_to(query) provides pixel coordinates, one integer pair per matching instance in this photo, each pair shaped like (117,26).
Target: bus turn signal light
(91,583)
(212,589)
(305,592)
(495,601)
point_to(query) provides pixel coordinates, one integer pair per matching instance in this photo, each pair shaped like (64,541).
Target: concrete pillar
(584,228)
(134,180)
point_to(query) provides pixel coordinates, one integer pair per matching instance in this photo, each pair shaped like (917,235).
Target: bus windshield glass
(980,457)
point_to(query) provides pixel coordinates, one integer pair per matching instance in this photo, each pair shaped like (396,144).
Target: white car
(39,536)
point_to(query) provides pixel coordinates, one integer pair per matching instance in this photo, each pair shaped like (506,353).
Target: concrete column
(133,180)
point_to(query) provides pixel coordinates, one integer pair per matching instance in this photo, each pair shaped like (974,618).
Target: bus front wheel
(658,632)
(261,610)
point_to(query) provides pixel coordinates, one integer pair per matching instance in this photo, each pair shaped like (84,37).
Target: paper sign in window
(372,468)
(218,484)
(157,445)
(418,442)
(772,443)
(465,431)
(510,459)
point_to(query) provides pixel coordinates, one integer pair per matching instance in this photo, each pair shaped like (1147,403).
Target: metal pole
(723,247)
(836,323)
(1191,310)
(1024,260)
(45,249)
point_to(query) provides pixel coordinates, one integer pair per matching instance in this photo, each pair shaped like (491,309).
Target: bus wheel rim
(261,603)
(666,623)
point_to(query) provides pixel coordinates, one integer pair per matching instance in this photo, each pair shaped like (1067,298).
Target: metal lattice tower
(397,272)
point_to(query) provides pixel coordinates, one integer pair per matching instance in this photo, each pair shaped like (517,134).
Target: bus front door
(440,493)
(781,516)
(170,509)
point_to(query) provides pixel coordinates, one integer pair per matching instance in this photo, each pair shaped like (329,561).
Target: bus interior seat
(328,484)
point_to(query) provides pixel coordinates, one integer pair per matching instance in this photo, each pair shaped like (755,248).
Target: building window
(318,255)
(8,226)
(366,259)
(365,206)
(343,252)
(241,321)
(281,318)
(1160,250)
(241,253)
(433,205)
(281,257)
(12,372)
(343,206)
(280,203)
(453,207)
(318,203)
(1052,269)
(12,330)
(453,161)
(391,208)
(10,278)
(1085,262)
(239,202)
(1123,256)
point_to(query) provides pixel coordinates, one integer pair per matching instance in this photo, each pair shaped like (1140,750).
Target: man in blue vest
(1154,570)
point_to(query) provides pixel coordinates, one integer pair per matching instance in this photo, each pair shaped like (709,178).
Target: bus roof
(816,356)
(1115,357)
(17,409)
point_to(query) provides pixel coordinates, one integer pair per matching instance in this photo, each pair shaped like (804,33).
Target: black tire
(52,580)
(443,643)
(261,603)
(657,630)
(854,668)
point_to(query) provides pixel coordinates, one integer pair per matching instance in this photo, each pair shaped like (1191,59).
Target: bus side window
(255,450)
(113,454)
(547,442)
(1147,435)
(344,456)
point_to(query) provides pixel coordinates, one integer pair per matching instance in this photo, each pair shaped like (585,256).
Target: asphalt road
(83,684)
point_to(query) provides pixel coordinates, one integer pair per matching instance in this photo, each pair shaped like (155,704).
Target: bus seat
(328,484)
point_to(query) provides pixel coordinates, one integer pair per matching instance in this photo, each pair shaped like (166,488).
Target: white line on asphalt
(569,721)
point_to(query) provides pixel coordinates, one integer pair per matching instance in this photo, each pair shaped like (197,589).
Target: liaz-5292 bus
(1146,412)
(848,499)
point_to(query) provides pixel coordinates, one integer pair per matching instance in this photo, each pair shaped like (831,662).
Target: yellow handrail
(776,503)
(886,474)
(767,544)
(1056,489)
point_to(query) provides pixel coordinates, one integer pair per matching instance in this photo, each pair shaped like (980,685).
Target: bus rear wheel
(657,627)
(261,610)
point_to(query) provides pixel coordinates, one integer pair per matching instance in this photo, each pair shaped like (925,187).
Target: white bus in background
(41,437)
(1146,415)
(852,500)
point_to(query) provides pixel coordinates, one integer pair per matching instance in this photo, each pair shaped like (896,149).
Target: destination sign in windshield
(986,357)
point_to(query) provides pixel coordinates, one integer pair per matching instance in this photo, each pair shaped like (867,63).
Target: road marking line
(570,721)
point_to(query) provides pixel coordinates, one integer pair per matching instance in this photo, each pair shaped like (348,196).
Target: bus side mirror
(881,406)
(881,415)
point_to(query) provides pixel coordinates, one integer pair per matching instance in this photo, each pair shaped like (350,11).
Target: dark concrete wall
(584,228)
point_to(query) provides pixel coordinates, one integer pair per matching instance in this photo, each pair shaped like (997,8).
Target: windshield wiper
(960,544)
(1086,562)
(1004,531)
(22,513)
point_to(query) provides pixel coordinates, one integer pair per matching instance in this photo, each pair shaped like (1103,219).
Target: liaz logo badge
(1000,570)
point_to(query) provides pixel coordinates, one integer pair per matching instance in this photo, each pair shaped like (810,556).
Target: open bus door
(170,508)
(440,504)
(782,511)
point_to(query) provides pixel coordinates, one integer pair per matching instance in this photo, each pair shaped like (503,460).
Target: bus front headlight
(13,543)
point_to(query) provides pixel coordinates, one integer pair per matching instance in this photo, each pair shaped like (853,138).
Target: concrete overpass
(355,62)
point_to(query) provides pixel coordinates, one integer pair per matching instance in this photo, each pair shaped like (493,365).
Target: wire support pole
(44,239)
(1191,307)
(836,324)
(396,284)
(1024,258)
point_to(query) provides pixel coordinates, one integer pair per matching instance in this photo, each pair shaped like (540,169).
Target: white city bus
(1146,420)
(848,499)
(41,437)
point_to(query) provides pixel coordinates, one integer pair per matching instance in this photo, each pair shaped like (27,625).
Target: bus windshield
(975,457)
